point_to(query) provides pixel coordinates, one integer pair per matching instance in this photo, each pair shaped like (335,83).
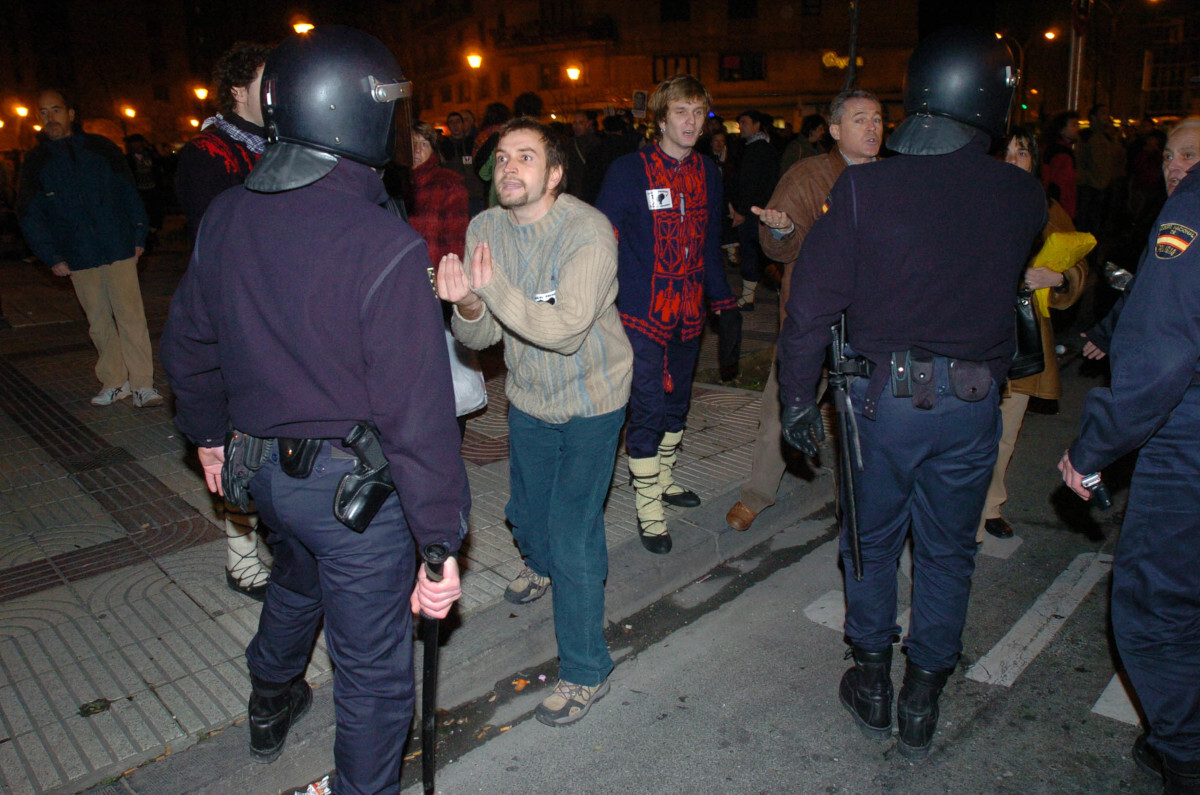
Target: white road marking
(1115,703)
(830,611)
(1016,650)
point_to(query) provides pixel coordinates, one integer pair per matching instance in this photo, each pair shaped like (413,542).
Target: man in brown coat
(856,124)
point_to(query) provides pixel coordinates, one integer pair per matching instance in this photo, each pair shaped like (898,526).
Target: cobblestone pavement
(119,641)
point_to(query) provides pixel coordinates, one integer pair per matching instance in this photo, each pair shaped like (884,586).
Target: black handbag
(1029,358)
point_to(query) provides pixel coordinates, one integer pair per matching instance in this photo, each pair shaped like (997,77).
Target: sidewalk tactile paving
(112,553)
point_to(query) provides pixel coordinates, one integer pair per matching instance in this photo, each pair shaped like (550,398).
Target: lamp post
(573,74)
(1048,35)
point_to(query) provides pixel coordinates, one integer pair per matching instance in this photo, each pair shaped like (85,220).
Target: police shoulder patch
(1173,239)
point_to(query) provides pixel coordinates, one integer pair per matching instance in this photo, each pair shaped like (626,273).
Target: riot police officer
(923,254)
(307,314)
(1154,404)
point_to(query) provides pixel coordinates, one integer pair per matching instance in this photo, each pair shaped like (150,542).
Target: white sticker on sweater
(659,199)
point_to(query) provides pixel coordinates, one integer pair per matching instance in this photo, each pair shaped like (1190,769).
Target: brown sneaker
(527,587)
(569,702)
(740,517)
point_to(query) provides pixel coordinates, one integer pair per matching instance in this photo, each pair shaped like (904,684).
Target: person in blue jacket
(1153,405)
(923,253)
(293,328)
(82,216)
(665,202)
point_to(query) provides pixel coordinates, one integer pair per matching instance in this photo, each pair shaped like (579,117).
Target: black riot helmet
(330,93)
(958,80)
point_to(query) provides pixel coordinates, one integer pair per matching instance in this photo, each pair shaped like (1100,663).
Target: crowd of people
(596,255)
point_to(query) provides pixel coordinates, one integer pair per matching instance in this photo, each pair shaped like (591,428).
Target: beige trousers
(112,300)
(1012,413)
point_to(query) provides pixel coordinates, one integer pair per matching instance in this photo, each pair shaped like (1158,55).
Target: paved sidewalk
(119,642)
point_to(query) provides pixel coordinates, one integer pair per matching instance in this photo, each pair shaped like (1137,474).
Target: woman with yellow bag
(1057,274)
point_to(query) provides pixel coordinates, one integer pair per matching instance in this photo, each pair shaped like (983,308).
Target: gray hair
(1189,123)
(839,102)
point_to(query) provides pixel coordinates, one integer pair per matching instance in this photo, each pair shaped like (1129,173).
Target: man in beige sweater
(543,277)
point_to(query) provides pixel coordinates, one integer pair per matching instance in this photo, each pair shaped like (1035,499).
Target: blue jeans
(560,474)
(928,471)
(1156,594)
(360,584)
(654,411)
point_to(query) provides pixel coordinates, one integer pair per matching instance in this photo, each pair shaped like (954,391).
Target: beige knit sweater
(566,357)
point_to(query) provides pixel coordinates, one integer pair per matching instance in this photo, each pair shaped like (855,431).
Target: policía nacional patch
(1173,240)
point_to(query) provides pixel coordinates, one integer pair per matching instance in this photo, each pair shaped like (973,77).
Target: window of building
(464,91)
(447,92)
(741,66)
(675,10)
(670,65)
(162,94)
(483,89)
(743,9)
(810,8)
(505,83)
(551,77)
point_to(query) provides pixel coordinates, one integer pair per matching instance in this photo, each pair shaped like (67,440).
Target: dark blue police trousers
(926,471)
(360,584)
(1156,583)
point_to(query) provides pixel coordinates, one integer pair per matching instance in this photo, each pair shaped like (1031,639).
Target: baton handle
(435,557)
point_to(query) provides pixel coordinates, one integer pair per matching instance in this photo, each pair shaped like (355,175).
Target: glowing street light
(573,72)
(22,111)
(201,92)
(128,111)
(474,60)
(194,122)
(1050,35)
(37,128)
(303,27)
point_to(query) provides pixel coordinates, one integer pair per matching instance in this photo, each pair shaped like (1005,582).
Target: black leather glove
(803,428)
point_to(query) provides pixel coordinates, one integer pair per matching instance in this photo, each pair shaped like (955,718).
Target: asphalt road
(730,684)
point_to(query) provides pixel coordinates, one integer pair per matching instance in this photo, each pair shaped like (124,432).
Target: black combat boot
(917,709)
(273,709)
(866,691)
(1180,778)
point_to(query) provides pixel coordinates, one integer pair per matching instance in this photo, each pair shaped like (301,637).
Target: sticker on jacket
(1173,240)
(658,199)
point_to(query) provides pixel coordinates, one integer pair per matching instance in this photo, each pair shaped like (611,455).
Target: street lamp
(474,60)
(200,92)
(302,27)
(129,112)
(573,73)
(21,111)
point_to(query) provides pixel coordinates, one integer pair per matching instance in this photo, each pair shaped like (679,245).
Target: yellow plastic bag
(1060,251)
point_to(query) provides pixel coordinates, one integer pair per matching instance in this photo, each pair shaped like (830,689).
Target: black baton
(839,383)
(435,555)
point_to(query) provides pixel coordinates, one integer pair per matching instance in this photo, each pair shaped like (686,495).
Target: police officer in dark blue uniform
(307,319)
(1154,404)
(923,254)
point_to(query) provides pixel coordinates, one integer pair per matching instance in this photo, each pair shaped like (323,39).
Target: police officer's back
(923,253)
(307,310)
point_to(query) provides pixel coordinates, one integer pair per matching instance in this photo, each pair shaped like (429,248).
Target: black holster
(297,456)
(362,492)
(244,456)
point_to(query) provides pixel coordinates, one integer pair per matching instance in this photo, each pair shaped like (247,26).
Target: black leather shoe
(866,692)
(682,499)
(1180,778)
(917,709)
(272,716)
(998,527)
(1147,757)
(658,544)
